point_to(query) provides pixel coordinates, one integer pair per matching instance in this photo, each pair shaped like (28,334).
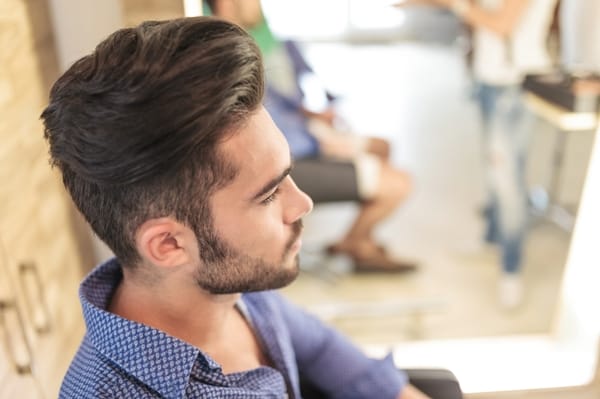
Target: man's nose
(300,206)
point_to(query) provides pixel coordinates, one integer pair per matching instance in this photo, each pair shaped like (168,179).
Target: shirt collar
(157,359)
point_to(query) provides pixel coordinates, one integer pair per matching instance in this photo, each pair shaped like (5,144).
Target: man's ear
(164,242)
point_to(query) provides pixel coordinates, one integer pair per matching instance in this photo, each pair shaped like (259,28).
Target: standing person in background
(329,164)
(509,41)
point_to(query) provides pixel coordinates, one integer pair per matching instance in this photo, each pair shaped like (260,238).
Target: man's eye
(271,197)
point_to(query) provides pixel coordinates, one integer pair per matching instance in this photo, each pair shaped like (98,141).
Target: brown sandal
(383,264)
(333,249)
(378,261)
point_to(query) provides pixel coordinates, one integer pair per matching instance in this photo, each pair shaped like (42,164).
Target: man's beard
(224,270)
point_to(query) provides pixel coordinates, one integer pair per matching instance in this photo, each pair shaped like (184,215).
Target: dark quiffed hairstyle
(134,126)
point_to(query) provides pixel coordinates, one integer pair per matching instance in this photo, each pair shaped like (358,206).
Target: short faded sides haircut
(134,127)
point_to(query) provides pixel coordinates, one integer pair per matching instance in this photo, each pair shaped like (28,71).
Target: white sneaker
(510,290)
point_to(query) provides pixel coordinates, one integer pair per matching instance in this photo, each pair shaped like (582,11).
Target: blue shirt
(293,124)
(286,108)
(119,358)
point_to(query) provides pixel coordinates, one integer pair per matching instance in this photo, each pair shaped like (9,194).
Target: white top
(504,60)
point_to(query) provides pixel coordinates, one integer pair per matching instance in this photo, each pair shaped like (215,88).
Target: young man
(167,152)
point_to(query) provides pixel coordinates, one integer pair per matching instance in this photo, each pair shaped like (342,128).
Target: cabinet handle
(18,348)
(33,290)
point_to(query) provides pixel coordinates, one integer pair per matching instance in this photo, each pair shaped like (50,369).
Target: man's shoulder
(89,375)
(92,375)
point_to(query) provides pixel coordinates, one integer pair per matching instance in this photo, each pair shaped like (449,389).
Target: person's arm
(502,21)
(336,366)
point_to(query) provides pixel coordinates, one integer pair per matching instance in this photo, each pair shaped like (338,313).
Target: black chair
(435,383)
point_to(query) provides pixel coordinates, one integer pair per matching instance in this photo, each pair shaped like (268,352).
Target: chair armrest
(435,383)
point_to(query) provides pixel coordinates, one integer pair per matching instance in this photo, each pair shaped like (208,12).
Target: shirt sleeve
(288,118)
(329,361)
(300,64)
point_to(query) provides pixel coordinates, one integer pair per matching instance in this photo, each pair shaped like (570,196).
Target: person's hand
(328,115)
(410,392)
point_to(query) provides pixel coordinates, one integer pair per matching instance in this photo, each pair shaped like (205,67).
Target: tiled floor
(417,96)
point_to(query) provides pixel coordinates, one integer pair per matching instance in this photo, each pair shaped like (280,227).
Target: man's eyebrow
(272,183)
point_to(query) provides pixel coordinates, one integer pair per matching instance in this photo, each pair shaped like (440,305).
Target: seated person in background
(166,150)
(329,164)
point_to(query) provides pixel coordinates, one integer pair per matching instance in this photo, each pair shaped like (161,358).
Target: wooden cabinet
(41,259)
(40,316)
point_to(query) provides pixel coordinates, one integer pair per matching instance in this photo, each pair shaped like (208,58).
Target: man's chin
(294,270)
(285,277)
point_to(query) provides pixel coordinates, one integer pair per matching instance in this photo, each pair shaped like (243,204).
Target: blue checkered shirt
(119,358)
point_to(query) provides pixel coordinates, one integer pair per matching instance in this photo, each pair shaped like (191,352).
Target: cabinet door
(47,302)
(40,277)
(40,329)
(16,356)
(22,387)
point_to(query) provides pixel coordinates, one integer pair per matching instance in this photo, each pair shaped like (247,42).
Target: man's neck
(182,309)
(188,313)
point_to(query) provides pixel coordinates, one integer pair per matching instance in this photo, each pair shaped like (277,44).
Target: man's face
(257,217)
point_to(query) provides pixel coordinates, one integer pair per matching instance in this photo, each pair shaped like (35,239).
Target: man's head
(246,13)
(140,128)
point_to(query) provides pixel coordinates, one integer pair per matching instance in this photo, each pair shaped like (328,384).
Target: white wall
(81,24)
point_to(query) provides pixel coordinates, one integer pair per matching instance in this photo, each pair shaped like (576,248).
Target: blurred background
(398,73)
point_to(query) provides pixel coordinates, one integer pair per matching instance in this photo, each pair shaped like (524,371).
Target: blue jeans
(505,126)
